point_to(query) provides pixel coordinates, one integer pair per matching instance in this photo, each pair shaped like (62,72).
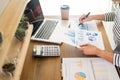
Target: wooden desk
(50,68)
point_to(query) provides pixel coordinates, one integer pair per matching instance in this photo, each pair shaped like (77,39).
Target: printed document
(78,37)
(88,69)
(81,34)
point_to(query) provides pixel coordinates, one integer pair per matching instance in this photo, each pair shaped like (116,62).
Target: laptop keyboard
(47,29)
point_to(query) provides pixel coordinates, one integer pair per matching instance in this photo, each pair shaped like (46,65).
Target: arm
(92,17)
(106,55)
(97,17)
(106,17)
(89,49)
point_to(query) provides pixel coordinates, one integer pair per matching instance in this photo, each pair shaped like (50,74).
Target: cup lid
(65,7)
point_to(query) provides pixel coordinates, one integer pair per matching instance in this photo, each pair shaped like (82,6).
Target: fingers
(84,18)
(83,45)
(81,18)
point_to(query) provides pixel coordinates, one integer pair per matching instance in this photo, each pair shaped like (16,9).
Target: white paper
(81,34)
(72,69)
(92,26)
(105,69)
(78,37)
(88,69)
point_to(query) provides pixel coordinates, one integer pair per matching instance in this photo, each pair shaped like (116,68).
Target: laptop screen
(34,13)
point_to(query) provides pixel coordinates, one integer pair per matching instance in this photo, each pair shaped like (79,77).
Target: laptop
(47,30)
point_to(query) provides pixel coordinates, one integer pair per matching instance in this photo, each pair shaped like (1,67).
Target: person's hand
(82,18)
(89,49)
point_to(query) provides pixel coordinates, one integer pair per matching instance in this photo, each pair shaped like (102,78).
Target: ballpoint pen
(85,17)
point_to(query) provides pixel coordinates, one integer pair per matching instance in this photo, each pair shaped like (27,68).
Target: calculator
(46,50)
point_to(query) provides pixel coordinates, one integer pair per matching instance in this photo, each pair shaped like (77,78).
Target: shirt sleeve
(116,60)
(109,16)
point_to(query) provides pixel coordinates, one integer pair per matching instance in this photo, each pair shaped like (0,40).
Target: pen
(85,17)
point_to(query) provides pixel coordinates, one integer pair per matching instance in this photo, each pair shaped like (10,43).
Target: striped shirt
(115,16)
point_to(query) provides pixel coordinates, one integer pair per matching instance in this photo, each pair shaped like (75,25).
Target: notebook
(47,30)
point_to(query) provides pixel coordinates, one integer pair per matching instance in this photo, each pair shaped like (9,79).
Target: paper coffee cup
(65,12)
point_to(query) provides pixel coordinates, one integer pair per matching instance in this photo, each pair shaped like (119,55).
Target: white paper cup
(65,12)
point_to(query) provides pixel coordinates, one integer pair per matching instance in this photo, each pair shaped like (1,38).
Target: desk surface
(50,68)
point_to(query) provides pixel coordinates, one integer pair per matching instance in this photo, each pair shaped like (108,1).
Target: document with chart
(88,69)
(78,37)
(89,25)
